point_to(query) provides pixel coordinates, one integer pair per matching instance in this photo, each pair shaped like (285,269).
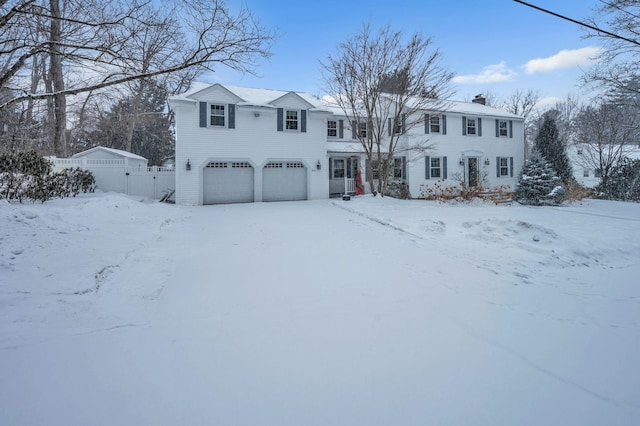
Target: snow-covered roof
(252,96)
(114,151)
(470,108)
(267,97)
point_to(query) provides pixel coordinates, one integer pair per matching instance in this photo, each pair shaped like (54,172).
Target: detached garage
(284,181)
(228,182)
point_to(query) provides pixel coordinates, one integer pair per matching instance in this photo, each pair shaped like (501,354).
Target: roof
(253,97)
(114,151)
(266,97)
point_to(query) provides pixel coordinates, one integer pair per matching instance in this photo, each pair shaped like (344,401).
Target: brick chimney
(479,99)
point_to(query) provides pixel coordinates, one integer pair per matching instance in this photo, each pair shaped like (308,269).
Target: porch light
(188,165)
(318,166)
(486,162)
(462,162)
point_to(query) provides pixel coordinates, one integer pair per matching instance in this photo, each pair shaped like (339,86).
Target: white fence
(115,175)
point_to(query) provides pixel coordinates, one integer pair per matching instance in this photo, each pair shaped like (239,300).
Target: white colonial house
(237,144)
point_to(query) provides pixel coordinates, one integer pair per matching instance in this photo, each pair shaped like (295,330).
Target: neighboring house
(236,144)
(585,159)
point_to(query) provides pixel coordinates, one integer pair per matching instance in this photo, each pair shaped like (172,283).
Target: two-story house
(237,144)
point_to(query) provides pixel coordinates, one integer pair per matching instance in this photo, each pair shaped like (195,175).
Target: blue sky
(491,45)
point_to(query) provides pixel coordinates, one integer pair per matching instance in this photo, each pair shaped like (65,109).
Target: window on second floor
(434,124)
(291,119)
(585,173)
(471,126)
(332,128)
(598,173)
(362,130)
(216,115)
(503,129)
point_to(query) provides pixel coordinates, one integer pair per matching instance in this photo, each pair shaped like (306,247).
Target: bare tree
(606,134)
(385,83)
(619,61)
(523,104)
(94,44)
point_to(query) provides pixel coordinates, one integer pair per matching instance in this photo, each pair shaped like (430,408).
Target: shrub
(28,175)
(623,183)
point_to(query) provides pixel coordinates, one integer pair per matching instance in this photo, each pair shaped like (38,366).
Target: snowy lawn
(364,312)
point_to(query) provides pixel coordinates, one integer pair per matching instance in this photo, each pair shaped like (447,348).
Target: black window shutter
(404,168)
(464,125)
(444,167)
(367,170)
(331,168)
(427,123)
(390,126)
(341,129)
(404,126)
(354,129)
(203,114)
(232,116)
(280,119)
(479,126)
(511,166)
(427,167)
(444,124)
(497,128)
(498,166)
(510,128)
(303,121)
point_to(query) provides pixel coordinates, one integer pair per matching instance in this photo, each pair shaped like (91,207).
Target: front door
(473,171)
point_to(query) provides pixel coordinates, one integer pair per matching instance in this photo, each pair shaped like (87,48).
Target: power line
(578,22)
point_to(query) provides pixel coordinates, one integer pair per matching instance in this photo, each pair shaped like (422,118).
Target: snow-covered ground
(372,311)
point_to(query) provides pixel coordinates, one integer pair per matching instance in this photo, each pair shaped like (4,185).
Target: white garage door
(284,181)
(228,182)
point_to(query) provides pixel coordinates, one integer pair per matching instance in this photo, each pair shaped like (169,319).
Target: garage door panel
(228,182)
(284,181)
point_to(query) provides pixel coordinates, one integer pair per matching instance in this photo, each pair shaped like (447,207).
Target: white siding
(255,139)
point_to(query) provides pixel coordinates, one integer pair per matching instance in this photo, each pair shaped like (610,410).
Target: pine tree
(538,184)
(549,145)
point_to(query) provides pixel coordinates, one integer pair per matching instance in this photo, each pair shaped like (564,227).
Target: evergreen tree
(538,184)
(549,145)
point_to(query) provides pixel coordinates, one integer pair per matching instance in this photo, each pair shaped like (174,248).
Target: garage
(228,182)
(284,181)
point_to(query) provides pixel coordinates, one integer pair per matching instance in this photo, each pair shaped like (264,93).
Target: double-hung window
(503,128)
(332,128)
(362,130)
(434,124)
(291,119)
(504,166)
(436,167)
(216,115)
(338,168)
(471,126)
(398,168)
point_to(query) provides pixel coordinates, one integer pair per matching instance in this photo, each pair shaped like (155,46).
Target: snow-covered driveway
(370,311)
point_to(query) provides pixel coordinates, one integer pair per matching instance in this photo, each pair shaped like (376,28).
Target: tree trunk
(57,79)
